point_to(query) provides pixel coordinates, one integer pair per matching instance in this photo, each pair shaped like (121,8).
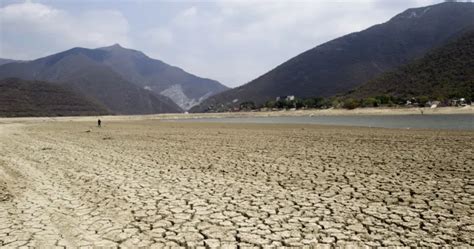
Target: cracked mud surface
(155,184)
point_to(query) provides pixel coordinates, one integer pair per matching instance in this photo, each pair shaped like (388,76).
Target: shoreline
(469,110)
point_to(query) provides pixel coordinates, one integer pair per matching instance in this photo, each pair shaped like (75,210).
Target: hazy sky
(230,41)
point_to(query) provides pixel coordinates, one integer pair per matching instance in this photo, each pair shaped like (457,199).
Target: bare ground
(154,184)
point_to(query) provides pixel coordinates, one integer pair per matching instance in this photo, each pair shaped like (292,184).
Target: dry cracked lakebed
(151,184)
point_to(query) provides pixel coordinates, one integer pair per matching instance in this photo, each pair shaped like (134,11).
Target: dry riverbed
(153,184)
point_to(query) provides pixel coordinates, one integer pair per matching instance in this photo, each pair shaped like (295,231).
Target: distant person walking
(99,123)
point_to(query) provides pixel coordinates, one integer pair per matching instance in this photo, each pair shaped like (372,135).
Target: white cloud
(190,12)
(30,30)
(159,36)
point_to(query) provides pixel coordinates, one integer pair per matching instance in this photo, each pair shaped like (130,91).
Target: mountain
(349,61)
(113,62)
(19,98)
(185,89)
(82,70)
(5,61)
(444,73)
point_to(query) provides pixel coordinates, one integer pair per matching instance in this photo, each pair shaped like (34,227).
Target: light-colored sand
(150,183)
(287,113)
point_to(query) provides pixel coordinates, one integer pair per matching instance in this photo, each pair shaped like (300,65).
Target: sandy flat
(149,183)
(282,113)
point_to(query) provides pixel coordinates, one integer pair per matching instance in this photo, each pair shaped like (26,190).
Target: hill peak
(420,12)
(115,46)
(117,49)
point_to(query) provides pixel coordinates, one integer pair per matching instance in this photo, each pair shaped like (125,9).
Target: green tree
(280,104)
(422,100)
(248,105)
(334,102)
(270,104)
(298,103)
(351,103)
(309,103)
(319,102)
(383,99)
(370,102)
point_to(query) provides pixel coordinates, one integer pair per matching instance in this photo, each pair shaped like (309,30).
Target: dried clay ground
(152,183)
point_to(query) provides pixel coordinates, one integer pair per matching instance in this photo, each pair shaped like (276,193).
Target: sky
(230,41)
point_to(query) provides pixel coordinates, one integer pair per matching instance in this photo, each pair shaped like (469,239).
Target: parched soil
(154,184)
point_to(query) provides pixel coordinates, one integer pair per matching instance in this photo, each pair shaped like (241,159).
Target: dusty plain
(282,113)
(152,184)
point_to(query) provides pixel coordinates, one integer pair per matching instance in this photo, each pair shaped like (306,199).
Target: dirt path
(154,184)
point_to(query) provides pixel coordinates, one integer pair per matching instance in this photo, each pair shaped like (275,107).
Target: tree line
(342,102)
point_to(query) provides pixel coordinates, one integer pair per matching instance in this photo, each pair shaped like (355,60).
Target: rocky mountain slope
(81,69)
(444,73)
(349,61)
(185,89)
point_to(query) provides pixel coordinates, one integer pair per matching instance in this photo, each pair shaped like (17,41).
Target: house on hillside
(459,102)
(433,104)
(411,102)
(287,98)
